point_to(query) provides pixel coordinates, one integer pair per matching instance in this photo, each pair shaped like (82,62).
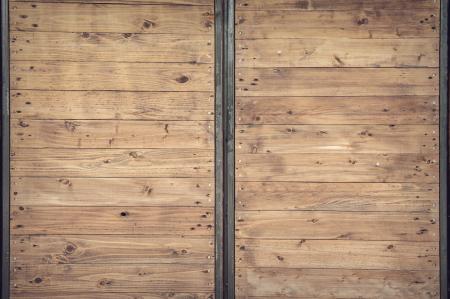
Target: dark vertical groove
(443,157)
(5,150)
(229,164)
(219,149)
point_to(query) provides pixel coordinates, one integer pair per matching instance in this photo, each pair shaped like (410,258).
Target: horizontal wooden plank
(60,279)
(289,139)
(334,5)
(36,191)
(338,167)
(112,105)
(337,196)
(336,81)
(338,52)
(112,220)
(111,134)
(146,2)
(322,254)
(126,47)
(336,283)
(112,163)
(402,23)
(338,110)
(77,17)
(63,75)
(17,294)
(83,249)
(383,226)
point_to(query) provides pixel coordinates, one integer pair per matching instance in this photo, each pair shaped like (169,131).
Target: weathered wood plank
(112,105)
(338,167)
(360,197)
(111,76)
(78,17)
(337,110)
(84,249)
(35,191)
(402,23)
(191,221)
(146,2)
(82,295)
(112,163)
(334,5)
(111,134)
(338,52)
(337,225)
(289,139)
(59,279)
(126,47)
(336,283)
(336,81)
(343,254)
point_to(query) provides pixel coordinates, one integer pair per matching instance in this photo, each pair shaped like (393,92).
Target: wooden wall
(337,149)
(112,140)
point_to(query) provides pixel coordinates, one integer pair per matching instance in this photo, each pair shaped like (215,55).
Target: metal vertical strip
(5,150)
(229,165)
(443,157)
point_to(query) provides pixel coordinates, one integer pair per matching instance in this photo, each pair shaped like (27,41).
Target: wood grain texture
(381,255)
(338,167)
(112,105)
(338,110)
(290,139)
(78,17)
(114,76)
(59,279)
(338,52)
(402,23)
(125,47)
(146,2)
(111,134)
(83,295)
(67,191)
(106,249)
(336,283)
(334,5)
(336,81)
(112,162)
(178,222)
(357,197)
(384,226)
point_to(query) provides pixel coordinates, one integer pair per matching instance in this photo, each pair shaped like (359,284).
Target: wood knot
(38,280)
(70,248)
(182,79)
(85,35)
(280,258)
(124,214)
(23,124)
(362,21)
(390,246)
(105,282)
(71,126)
(148,24)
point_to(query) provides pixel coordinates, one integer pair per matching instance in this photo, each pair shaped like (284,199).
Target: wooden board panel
(111,134)
(337,254)
(67,191)
(338,110)
(112,220)
(358,197)
(334,5)
(336,283)
(147,2)
(337,225)
(85,249)
(114,76)
(77,17)
(336,81)
(338,52)
(290,139)
(338,167)
(81,295)
(112,105)
(400,23)
(112,163)
(125,47)
(58,279)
